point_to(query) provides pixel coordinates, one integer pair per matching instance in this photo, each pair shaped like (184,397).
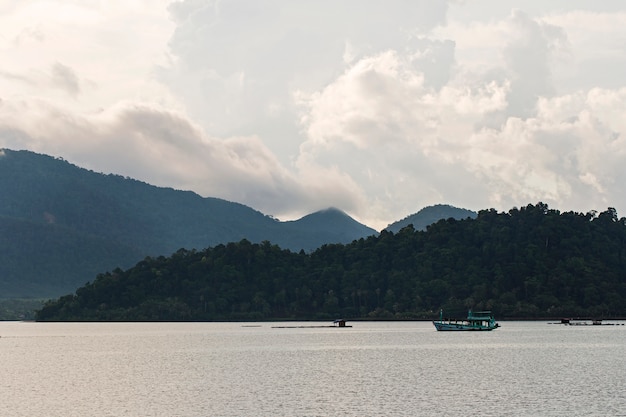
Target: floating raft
(587,322)
(306,327)
(337,323)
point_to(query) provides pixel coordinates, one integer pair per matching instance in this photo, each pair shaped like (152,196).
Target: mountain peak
(429,215)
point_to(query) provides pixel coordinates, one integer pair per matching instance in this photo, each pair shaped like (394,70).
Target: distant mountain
(60,225)
(430,215)
(331,226)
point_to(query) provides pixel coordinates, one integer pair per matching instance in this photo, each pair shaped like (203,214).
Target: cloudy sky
(376,108)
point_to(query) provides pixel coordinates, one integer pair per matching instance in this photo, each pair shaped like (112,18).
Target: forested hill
(60,224)
(528,262)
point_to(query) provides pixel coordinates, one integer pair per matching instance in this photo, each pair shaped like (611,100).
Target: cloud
(59,77)
(28,34)
(8,6)
(378,109)
(405,141)
(519,50)
(594,57)
(528,60)
(567,155)
(11,77)
(65,78)
(164,148)
(386,98)
(236,64)
(397,137)
(83,55)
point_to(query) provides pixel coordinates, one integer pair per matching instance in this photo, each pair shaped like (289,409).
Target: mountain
(430,215)
(331,226)
(60,225)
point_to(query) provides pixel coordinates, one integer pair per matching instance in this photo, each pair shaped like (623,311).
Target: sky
(376,108)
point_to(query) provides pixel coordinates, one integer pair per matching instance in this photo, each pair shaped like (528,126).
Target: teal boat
(480,320)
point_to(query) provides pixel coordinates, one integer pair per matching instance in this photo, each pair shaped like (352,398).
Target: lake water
(252,369)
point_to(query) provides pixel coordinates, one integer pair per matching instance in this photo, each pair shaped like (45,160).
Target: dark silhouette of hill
(529,262)
(60,225)
(429,215)
(330,225)
(41,260)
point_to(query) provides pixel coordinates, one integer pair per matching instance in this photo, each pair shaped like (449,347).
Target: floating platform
(336,324)
(586,322)
(306,327)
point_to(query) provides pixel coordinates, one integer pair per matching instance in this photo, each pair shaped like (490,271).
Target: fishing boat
(480,320)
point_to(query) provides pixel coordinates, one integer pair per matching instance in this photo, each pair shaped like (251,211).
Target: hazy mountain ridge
(38,259)
(61,225)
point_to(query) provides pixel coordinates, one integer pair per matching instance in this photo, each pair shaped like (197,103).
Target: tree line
(529,262)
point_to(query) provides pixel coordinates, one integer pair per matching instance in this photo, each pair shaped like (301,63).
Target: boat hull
(459,327)
(480,321)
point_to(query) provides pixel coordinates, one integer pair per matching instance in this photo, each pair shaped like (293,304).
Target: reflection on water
(252,369)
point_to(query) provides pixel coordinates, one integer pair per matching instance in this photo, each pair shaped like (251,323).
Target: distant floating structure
(585,322)
(336,323)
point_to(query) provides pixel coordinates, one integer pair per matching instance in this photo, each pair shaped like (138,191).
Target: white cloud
(106,50)
(164,148)
(235,62)
(568,155)
(395,136)
(378,109)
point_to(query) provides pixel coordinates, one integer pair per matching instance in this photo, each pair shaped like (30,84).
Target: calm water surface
(252,369)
